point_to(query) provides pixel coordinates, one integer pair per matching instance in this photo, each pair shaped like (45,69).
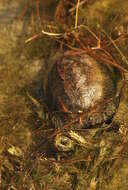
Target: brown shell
(79,85)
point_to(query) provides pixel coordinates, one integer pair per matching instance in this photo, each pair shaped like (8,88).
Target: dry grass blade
(33,38)
(77,12)
(81,3)
(116,47)
(44,32)
(52,34)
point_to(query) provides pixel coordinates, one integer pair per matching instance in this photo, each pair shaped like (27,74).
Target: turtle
(83,90)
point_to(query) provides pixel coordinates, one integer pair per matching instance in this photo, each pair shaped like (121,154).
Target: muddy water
(20,73)
(22,67)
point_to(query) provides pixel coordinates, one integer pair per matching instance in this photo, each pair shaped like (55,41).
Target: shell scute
(80,85)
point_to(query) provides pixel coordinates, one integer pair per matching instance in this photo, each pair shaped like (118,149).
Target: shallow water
(22,69)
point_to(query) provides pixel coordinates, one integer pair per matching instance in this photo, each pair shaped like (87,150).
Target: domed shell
(78,84)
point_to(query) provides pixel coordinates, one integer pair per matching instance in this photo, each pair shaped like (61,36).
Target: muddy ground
(25,161)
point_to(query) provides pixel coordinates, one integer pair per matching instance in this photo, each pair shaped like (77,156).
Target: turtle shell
(79,86)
